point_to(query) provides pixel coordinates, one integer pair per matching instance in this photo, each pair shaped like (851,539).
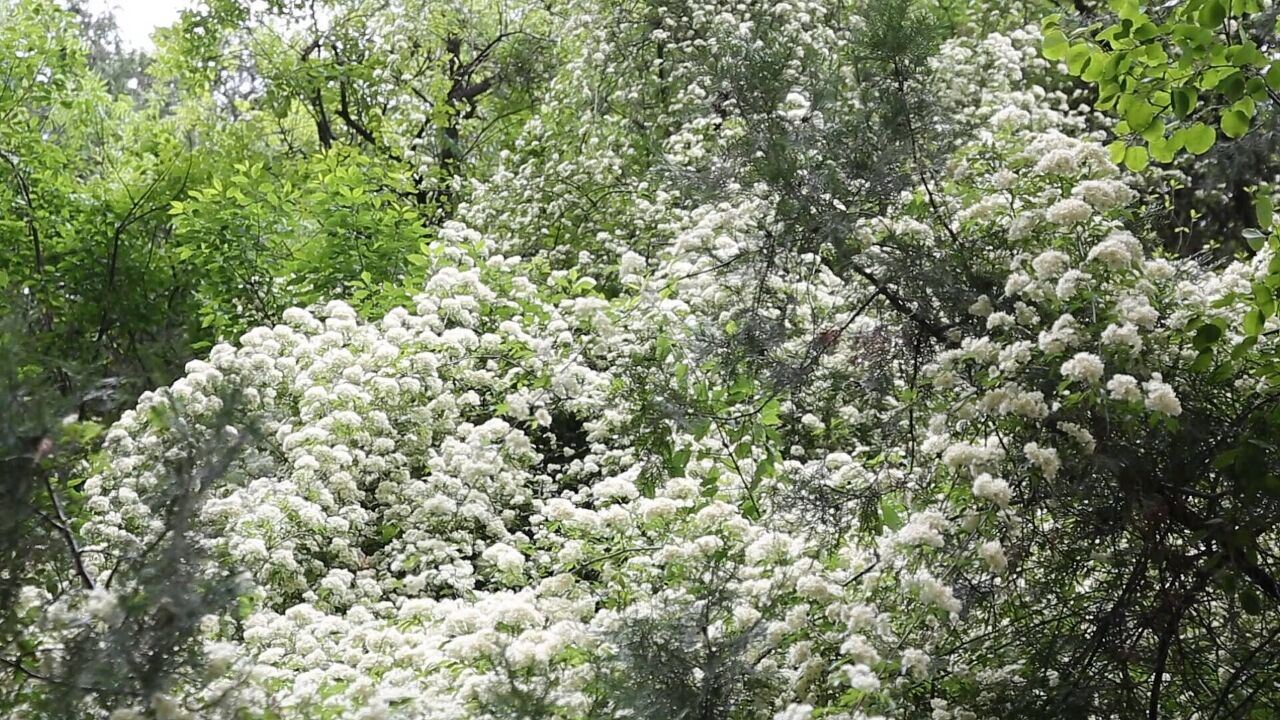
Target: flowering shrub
(551,489)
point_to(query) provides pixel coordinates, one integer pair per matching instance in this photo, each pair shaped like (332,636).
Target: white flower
(1124,388)
(992,553)
(1082,437)
(861,677)
(1137,309)
(1045,458)
(104,606)
(999,320)
(795,106)
(504,557)
(934,592)
(1057,162)
(1051,263)
(1160,397)
(1070,283)
(994,489)
(795,711)
(1126,335)
(1105,194)
(1068,211)
(1061,336)
(981,307)
(1118,250)
(916,662)
(1083,367)
(860,650)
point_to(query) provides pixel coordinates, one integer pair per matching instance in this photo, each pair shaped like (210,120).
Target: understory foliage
(655,359)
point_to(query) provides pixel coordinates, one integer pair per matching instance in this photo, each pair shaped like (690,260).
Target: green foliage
(1173,72)
(262,239)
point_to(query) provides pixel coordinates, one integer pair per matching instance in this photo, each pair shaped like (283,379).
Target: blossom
(992,553)
(1124,388)
(1051,263)
(1045,458)
(916,662)
(1057,162)
(860,677)
(1118,250)
(1160,396)
(981,307)
(1068,211)
(1105,194)
(1083,367)
(795,711)
(1070,283)
(504,557)
(993,489)
(1125,336)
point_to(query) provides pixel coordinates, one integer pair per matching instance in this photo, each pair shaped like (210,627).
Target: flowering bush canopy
(782,360)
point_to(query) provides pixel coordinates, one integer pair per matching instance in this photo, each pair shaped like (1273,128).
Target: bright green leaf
(1136,159)
(1199,138)
(1235,124)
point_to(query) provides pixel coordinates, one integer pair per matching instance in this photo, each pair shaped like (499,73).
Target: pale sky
(138,18)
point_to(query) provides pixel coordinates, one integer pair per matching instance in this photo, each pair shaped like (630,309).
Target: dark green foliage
(161,592)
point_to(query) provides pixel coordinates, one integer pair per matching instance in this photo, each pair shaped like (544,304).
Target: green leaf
(1250,602)
(1207,335)
(1232,85)
(1255,239)
(1203,361)
(1253,321)
(769,413)
(1199,138)
(1139,115)
(1273,76)
(890,512)
(1055,45)
(678,461)
(1264,299)
(662,347)
(1183,100)
(1077,56)
(1136,159)
(1116,151)
(741,389)
(1235,124)
(1096,68)
(1262,206)
(1164,149)
(1212,13)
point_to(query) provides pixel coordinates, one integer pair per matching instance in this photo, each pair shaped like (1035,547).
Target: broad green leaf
(1265,211)
(1253,322)
(1212,13)
(1235,124)
(1055,45)
(1116,151)
(1199,138)
(1077,56)
(769,414)
(1136,158)
(1183,100)
(1207,335)
(1139,115)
